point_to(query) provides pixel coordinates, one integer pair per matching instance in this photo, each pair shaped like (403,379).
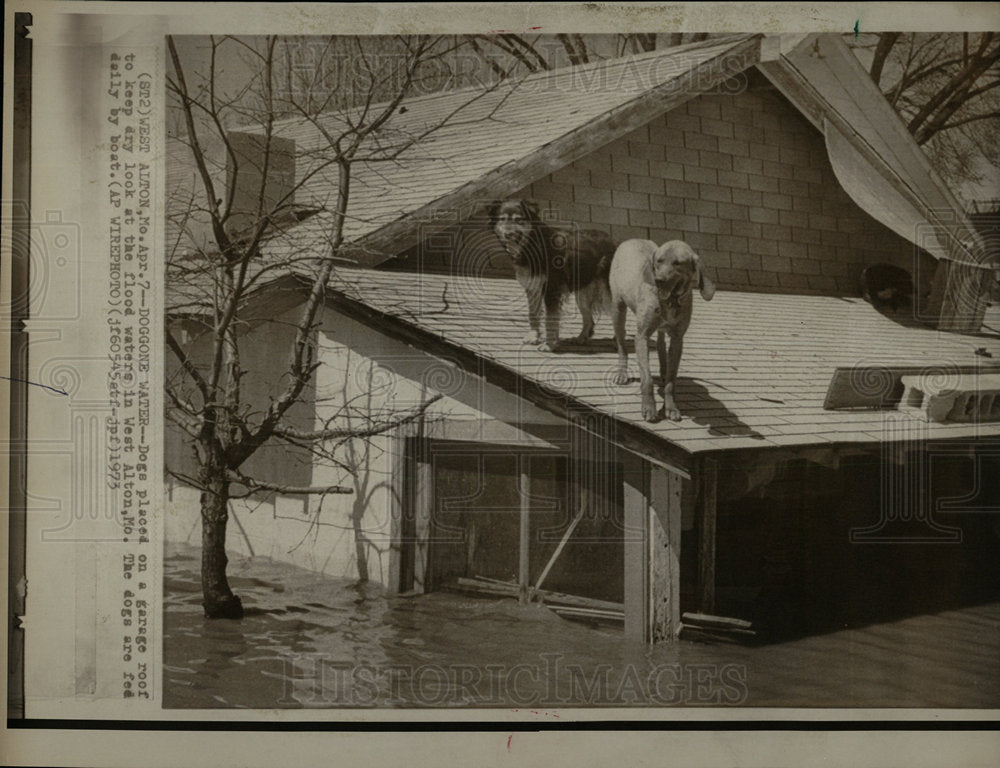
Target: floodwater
(311,641)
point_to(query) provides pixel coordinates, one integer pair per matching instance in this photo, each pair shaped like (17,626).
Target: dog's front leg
(645,376)
(661,356)
(553,306)
(534,294)
(669,373)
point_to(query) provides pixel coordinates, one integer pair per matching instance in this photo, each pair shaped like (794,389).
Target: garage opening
(519,518)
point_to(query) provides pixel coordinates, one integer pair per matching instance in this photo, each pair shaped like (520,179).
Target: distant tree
(943,85)
(946,87)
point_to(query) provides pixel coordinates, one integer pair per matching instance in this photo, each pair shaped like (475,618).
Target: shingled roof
(494,141)
(756,368)
(755,371)
(497,140)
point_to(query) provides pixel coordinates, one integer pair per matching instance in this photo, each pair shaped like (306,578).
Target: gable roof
(754,375)
(485,142)
(873,155)
(756,367)
(496,141)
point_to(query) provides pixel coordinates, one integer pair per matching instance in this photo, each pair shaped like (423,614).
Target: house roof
(873,155)
(494,142)
(755,370)
(498,140)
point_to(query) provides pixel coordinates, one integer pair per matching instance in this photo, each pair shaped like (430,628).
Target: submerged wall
(365,379)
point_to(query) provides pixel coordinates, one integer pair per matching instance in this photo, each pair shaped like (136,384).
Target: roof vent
(963,399)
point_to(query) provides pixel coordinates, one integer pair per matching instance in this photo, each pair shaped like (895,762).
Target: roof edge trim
(627,436)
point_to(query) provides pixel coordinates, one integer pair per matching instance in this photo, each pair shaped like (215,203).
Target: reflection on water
(312,641)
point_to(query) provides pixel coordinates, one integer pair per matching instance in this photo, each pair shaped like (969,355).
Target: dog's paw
(649,412)
(621,378)
(547,346)
(531,338)
(671,411)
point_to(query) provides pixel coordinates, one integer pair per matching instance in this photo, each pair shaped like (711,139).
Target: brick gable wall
(744,179)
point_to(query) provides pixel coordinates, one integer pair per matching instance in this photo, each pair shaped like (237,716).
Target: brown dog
(655,283)
(551,261)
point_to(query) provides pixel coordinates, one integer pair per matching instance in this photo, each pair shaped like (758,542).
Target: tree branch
(341,433)
(222,239)
(886,41)
(956,123)
(290,490)
(186,363)
(960,82)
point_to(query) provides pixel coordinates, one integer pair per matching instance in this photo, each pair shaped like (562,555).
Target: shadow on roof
(702,408)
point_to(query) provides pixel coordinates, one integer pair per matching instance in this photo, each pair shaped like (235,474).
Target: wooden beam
(490,586)
(665,554)
(524,544)
(562,543)
(423,511)
(635,498)
(706,536)
(400,575)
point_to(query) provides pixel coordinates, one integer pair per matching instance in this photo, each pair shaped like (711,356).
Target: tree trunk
(360,540)
(219,600)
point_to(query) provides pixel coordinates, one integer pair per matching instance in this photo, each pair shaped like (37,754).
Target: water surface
(312,641)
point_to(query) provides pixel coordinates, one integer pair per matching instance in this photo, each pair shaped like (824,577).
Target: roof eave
(783,74)
(628,436)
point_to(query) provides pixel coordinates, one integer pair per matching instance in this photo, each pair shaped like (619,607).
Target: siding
(745,179)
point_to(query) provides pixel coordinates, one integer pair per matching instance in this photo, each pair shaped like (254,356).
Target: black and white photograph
(501,383)
(417,454)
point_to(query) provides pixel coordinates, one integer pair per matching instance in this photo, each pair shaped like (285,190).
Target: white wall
(363,373)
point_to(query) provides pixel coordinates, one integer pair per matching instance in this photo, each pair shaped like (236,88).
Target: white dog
(655,283)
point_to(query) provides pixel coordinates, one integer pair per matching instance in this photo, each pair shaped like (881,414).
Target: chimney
(252,152)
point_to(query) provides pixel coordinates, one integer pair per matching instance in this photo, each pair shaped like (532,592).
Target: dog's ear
(705,286)
(493,209)
(531,210)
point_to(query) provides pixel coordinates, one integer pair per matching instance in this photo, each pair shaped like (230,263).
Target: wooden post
(665,554)
(963,304)
(424,504)
(524,554)
(635,499)
(400,575)
(706,537)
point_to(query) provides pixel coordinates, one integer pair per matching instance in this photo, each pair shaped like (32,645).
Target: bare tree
(233,230)
(944,86)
